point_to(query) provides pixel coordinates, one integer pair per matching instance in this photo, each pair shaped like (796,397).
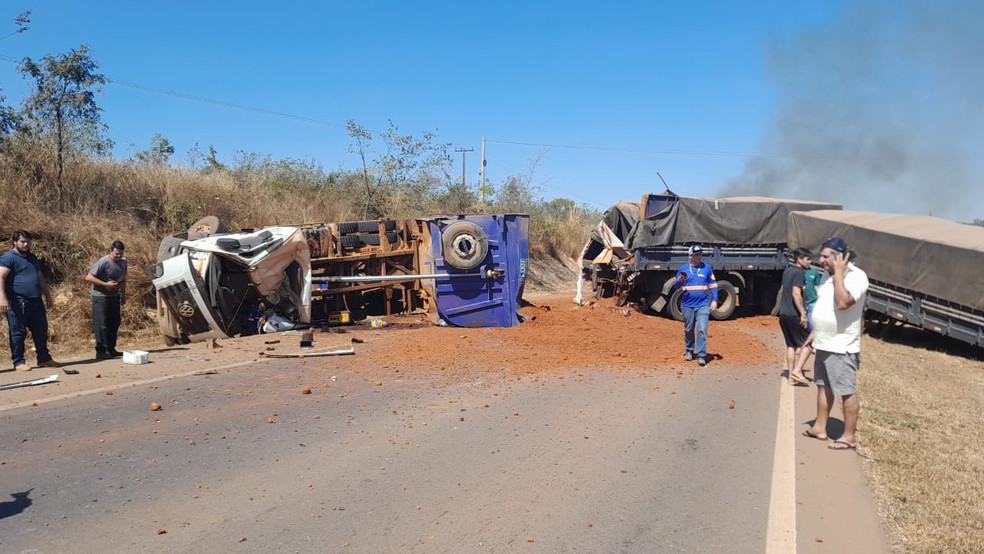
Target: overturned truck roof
(929,255)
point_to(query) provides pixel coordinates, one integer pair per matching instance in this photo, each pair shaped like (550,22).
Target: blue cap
(836,244)
(695,249)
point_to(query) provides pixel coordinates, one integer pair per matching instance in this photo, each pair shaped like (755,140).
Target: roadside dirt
(557,336)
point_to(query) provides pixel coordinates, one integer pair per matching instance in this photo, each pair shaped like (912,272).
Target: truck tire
(768,298)
(352,241)
(464,245)
(206,227)
(673,308)
(373,239)
(373,226)
(727,301)
(169,248)
(348,227)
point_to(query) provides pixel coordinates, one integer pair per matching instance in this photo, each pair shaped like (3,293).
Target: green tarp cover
(929,255)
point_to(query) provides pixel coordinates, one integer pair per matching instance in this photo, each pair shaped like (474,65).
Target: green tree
(8,117)
(407,169)
(159,153)
(209,162)
(61,109)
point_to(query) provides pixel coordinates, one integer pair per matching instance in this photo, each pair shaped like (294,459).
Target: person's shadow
(20,503)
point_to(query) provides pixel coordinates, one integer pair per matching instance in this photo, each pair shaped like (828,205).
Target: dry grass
(922,401)
(103,200)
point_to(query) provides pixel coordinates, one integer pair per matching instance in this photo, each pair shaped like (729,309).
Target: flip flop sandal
(797,380)
(810,434)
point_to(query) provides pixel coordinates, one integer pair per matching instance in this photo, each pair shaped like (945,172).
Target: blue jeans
(696,317)
(27,314)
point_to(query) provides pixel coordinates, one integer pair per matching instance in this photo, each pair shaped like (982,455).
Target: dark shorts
(794,334)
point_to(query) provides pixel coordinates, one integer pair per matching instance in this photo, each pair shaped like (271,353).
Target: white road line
(780,535)
(116,387)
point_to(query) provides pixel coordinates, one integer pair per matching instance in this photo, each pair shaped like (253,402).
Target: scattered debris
(306,390)
(357,341)
(272,341)
(155,407)
(70,371)
(340,352)
(207,372)
(31,383)
(732,406)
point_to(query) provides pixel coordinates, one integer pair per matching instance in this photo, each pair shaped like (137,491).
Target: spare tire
(464,245)
(206,226)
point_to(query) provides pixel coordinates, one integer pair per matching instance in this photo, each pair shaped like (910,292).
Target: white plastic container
(135,357)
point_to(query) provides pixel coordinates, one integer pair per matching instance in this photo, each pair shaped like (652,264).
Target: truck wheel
(673,308)
(464,245)
(727,301)
(348,227)
(373,239)
(352,241)
(169,248)
(206,227)
(768,298)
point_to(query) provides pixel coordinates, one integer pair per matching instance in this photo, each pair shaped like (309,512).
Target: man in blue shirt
(22,286)
(699,297)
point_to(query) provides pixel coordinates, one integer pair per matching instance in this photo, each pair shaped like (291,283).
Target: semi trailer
(633,252)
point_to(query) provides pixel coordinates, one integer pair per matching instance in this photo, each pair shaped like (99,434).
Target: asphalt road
(578,461)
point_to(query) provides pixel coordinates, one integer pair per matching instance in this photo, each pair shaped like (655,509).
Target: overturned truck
(463,270)
(634,251)
(923,271)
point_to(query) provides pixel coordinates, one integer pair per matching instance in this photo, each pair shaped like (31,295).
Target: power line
(226,104)
(206,100)
(637,150)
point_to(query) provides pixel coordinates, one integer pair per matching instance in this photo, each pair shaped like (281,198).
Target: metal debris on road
(31,383)
(340,352)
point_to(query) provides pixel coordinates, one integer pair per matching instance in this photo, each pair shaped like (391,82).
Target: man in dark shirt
(792,311)
(22,287)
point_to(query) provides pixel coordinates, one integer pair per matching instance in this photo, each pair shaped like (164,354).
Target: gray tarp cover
(620,218)
(925,254)
(739,220)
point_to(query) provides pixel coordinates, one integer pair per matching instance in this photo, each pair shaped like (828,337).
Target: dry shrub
(69,245)
(921,427)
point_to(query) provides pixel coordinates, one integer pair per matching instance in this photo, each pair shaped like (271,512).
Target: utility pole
(463,151)
(481,185)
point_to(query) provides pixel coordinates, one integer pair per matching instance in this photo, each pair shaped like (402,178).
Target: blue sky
(688,89)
